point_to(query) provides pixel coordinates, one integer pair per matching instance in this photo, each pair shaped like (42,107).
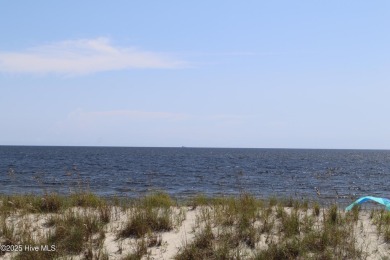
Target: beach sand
(188,223)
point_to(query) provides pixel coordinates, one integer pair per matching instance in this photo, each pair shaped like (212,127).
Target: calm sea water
(182,172)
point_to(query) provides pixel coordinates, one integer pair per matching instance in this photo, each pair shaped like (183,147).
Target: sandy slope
(365,233)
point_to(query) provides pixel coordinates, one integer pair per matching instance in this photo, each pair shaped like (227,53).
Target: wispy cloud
(236,53)
(83,57)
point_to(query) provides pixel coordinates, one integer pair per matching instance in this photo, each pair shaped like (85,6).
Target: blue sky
(272,74)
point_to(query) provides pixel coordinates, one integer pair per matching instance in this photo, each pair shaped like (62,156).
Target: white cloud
(83,57)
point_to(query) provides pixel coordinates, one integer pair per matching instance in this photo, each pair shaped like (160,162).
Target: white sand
(368,239)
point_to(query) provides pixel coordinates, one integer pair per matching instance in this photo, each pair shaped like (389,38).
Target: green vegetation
(48,202)
(241,227)
(248,228)
(152,213)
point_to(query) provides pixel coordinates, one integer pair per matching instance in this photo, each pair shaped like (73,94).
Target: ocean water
(328,175)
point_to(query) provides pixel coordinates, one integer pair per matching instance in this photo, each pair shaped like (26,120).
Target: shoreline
(85,226)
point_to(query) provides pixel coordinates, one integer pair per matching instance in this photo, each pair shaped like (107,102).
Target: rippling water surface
(182,172)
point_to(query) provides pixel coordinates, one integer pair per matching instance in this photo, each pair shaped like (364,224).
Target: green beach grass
(86,226)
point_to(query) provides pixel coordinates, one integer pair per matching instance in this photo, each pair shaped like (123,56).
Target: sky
(257,74)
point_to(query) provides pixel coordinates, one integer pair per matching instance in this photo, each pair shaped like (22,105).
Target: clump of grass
(305,205)
(73,231)
(247,213)
(201,248)
(280,213)
(105,213)
(199,200)
(150,214)
(7,232)
(382,220)
(159,199)
(316,208)
(240,213)
(235,218)
(386,235)
(143,221)
(86,199)
(287,250)
(50,202)
(355,213)
(289,202)
(333,214)
(272,202)
(291,224)
(141,249)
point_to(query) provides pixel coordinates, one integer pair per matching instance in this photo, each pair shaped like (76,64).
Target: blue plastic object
(383,201)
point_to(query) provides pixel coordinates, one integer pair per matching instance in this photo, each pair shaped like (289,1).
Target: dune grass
(69,230)
(152,213)
(240,227)
(247,228)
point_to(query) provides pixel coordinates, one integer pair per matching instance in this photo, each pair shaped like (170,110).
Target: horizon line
(194,147)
